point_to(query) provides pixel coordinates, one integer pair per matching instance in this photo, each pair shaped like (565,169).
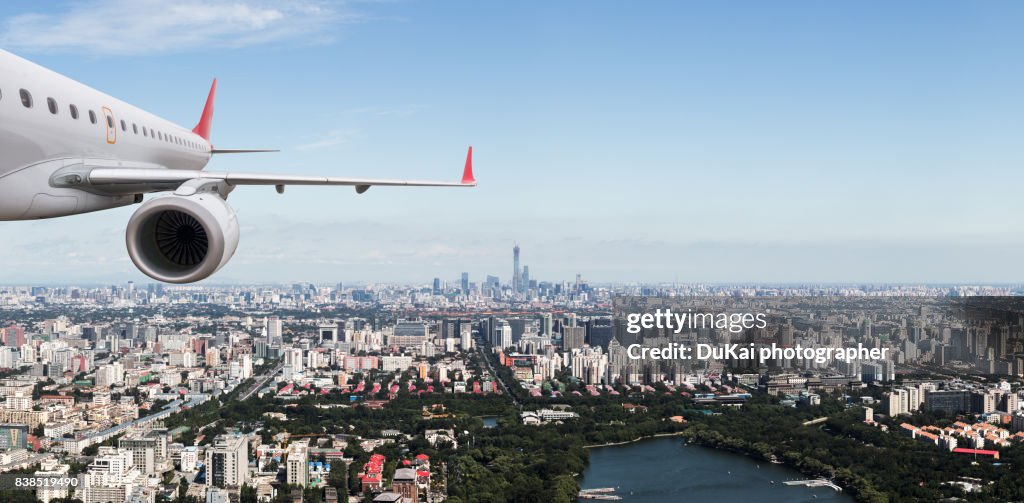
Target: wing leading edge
(130,180)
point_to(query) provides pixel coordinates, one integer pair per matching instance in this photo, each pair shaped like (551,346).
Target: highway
(168,409)
(479,347)
(261,382)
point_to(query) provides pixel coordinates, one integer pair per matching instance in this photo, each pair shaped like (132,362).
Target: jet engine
(182,239)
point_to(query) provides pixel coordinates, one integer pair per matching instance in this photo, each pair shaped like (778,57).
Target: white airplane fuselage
(35,143)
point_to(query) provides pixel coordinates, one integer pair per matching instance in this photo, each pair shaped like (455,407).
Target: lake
(664,469)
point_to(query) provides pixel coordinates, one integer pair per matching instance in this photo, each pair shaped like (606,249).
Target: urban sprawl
(148,393)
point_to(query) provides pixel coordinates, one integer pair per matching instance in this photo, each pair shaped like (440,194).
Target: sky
(626,141)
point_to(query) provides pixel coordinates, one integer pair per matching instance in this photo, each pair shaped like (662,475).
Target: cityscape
(399,393)
(333,251)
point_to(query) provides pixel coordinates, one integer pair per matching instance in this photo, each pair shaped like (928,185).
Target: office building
(227,461)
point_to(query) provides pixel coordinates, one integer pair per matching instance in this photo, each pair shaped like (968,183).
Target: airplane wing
(111,180)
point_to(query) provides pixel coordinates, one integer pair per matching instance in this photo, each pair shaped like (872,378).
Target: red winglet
(203,128)
(467,173)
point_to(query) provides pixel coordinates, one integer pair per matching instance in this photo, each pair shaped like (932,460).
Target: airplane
(67,149)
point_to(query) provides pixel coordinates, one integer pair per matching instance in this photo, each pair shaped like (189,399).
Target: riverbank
(626,442)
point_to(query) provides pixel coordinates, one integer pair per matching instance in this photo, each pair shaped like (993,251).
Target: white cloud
(148,26)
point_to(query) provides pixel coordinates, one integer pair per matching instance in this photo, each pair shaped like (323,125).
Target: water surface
(665,469)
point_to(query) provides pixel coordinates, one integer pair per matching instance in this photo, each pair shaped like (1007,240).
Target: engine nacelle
(182,239)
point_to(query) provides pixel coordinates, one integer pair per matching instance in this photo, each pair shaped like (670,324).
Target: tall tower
(515,268)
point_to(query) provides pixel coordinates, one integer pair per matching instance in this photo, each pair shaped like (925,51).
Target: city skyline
(258,394)
(761,145)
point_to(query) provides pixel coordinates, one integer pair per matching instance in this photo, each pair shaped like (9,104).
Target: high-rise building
(298,463)
(409,333)
(948,401)
(111,477)
(466,336)
(331,332)
(227,461)
(437,286)
(13,436)
(589,365)
(502,336)
(547,325)
(148,450)
(274,331)
(464,284)
(572,338)
(983,402)
(516,279)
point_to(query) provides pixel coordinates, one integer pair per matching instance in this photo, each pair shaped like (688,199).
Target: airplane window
(92,117)
(52,105)
(110,122)
(26,98)
(74,112)
(144,132)
(124,126)
(135,128)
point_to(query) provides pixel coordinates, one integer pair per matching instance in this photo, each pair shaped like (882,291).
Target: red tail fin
(467,172)
(203,128)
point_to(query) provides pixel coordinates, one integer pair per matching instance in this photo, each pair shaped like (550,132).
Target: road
(168,409)
(479,347)
(261,382)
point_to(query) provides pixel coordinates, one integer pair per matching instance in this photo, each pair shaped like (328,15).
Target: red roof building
(978,452)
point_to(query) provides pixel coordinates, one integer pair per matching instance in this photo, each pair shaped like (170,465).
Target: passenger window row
(52,106)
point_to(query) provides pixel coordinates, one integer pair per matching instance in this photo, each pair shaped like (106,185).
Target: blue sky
(627,141)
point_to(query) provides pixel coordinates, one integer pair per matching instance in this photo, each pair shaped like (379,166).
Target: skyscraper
(516,279)
(572,338)
(501,338)
(227,461)
(465,283)
(297,469)
(274,328)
